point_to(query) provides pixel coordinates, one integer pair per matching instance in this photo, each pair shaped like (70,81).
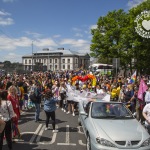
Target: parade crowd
(21,92)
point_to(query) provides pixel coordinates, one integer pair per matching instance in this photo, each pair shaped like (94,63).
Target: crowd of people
(20,92)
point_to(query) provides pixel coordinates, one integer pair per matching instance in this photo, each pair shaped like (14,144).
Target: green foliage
(115,37)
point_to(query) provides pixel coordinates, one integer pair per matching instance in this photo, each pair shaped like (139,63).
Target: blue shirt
(50,104)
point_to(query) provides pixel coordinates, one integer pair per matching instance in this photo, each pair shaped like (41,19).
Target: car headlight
(104,142)
(146,143)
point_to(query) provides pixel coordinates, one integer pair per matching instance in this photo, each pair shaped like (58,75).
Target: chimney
(61,48)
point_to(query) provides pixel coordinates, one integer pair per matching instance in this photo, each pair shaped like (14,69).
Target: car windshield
(110,110)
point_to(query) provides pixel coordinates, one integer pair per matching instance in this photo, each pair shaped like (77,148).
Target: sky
(33,25)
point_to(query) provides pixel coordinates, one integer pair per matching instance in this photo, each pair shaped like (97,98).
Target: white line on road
(52,141)
(67,138)
(40,134)
(81,143)
(67,134)
(35,133)
(79,130)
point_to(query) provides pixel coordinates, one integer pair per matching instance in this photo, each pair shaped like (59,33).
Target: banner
(142,88)
(78,96)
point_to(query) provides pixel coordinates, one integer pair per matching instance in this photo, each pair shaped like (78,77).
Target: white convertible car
(111,126)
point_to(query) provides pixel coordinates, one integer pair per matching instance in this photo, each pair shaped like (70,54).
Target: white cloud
(56,36)
(93,26)
(3,13)
(13,57)
(44,42)
(76,29)
(8,1)
(7,21)
(34,34)
(134,3)
(10,44)
(78,35)
(4,20)
(80,45)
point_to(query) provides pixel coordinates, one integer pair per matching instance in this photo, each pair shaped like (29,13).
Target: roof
(65,52)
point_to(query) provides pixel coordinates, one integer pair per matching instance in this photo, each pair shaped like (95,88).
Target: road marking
(81,143)
(40,134)
(79,130)
(52,141)
(67,134)
(67,138)
(35,133)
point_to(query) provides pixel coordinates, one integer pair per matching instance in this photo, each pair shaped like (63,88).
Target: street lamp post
(32,55)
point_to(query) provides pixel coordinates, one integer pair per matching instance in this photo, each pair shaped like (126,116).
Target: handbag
(2,125)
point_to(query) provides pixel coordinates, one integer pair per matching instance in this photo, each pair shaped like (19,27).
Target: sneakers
(68,112)
(55,131)
(64,110)
(47,128)
(73,114)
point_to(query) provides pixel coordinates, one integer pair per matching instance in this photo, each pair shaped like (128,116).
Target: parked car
(111,126)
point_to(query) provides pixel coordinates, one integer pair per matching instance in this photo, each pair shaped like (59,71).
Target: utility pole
(32,55)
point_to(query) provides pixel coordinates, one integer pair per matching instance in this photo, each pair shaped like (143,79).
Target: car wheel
(88,143)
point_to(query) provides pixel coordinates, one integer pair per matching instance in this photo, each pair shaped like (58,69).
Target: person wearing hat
(50,108)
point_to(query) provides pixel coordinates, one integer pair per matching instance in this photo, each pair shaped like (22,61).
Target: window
(44,61)
(68,60)
(34,60)
(100,67)
(50,60)
(55,67)
(55,60)
(50,67)
(25,61)
(39,60)
(63,60)
(29,61)
(76,61)
(63,66)
(68,67)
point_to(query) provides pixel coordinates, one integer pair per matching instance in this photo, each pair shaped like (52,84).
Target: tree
(115,37)
(107,37)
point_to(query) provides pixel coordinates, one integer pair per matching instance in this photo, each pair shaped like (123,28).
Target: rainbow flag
(133,78)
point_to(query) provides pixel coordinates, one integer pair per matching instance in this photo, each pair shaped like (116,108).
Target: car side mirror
(83,113)
(135,114)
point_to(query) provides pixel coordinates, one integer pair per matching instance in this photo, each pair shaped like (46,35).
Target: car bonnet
(119,130)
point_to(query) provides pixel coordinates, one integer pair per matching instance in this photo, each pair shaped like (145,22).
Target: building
(53,60)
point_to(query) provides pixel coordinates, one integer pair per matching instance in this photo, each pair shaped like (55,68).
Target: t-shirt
(146,110)
(147,97)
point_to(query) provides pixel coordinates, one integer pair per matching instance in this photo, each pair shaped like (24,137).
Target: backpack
(33,97)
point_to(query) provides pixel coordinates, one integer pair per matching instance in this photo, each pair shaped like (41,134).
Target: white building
(53,60)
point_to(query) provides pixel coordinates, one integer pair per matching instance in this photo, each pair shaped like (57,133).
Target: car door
(85,117)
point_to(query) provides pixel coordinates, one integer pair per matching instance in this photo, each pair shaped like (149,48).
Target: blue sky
(51,24)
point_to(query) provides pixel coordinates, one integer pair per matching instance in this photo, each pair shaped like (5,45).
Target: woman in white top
(6,114)
(146,115)
(62,93)
(147,96)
